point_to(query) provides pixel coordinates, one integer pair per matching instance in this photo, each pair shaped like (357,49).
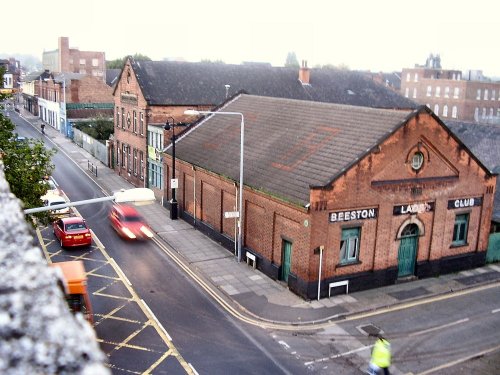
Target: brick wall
(91,90)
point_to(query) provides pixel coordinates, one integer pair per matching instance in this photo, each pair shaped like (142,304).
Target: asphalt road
(435,337)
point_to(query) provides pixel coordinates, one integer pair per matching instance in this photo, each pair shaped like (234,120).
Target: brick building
(11,77)
(65,60)
(148,93)
(378,195)
(452,95)
(61,100)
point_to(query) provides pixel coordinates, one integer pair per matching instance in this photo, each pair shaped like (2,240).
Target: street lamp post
(174,213)
(242,135)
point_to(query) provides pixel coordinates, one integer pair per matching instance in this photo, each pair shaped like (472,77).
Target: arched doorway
(407,254)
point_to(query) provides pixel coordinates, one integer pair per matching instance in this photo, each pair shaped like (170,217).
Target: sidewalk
(249,290)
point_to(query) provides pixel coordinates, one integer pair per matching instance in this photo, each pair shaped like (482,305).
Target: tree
(118,63)
(26,163)
(291,60)
(99,128)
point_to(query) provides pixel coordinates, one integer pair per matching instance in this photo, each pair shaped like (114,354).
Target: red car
(72,231)
(128,223)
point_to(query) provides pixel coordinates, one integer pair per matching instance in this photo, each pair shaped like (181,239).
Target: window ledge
(453,246)
(350,263)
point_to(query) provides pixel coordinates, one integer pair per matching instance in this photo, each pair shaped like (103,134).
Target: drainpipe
(321,248)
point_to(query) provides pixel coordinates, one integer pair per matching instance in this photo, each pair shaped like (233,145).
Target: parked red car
(128,223)
(72,231)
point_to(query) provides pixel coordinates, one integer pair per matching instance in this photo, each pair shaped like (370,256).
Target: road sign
(231,214)
(174,183)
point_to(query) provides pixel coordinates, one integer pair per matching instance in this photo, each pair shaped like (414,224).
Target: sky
(382,35)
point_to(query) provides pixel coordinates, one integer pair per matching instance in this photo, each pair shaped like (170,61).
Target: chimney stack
(304,73)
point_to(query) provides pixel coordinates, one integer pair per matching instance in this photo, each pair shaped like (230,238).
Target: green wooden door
(407,253)
(286,259)
(493,253)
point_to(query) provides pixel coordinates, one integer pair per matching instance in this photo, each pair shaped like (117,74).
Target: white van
(52,200)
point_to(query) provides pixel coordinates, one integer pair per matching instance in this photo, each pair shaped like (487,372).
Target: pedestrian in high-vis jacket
(381,357)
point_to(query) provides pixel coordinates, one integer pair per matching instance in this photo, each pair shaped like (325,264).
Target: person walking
(43,128)
(381,356)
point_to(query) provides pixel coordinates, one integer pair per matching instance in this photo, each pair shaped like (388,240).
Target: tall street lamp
(171,125)
(191,112)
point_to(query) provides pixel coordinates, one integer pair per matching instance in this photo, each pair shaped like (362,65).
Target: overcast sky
(382,35)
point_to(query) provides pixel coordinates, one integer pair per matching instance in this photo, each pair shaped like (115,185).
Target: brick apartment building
(63,99)
(406,199)
(149,93)
(452,95)
(71,60)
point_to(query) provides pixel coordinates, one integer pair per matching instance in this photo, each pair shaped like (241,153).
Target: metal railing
(92,168)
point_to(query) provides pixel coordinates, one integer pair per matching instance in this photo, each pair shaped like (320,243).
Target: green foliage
(212,61)
(291,60)
(335,67)
(25,164)
(99,128)
(118,63)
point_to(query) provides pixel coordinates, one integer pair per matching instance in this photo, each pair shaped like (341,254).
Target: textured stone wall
(38,333)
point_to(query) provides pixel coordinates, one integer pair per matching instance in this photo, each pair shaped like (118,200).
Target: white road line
(495,311)
(97,240)
(122,274)
(339,355)
(284,344)
(192,368)
(458,361)
(156,320)
(438,328)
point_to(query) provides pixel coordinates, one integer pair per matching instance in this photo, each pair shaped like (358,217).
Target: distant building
(60,100)
(451,94)
(65,59)
(11,76)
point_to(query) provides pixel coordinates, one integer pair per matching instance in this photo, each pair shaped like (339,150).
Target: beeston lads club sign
(367,213)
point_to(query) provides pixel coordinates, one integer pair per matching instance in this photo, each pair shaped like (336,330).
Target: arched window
(445,111)
(410,230)
(436,109)
(454,112)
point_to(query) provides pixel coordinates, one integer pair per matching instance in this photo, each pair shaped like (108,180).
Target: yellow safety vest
(381,354)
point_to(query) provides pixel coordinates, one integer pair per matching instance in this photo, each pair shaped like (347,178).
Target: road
(437,336)
(207,338)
